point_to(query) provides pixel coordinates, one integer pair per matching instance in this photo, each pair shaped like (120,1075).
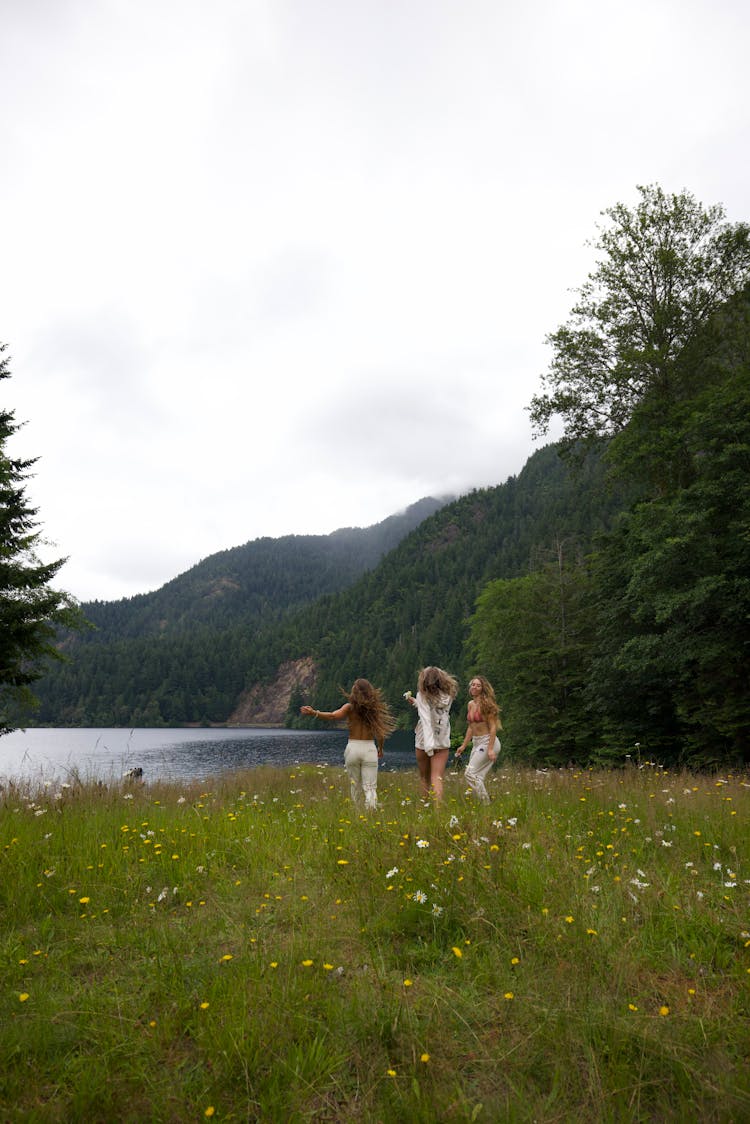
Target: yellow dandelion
(592,932)
(407,983)
(274,964)
(391,1072)
(227,956)
(205,1006)
(632,1007)
(515,960)
(23,997)
(425,1058)
(84,901)
(342,862)
(152,1024)
(328,967)
(569,920)
(209,1111)
(508,995)
(307,963)
(457,952)
(664,1010)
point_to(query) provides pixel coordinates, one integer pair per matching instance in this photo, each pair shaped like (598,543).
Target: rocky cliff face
(267,704)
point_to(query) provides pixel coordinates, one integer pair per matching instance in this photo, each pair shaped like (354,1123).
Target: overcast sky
(282,266)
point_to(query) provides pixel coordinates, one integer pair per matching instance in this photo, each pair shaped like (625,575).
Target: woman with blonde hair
(483,722)
(436,690)
(370,722)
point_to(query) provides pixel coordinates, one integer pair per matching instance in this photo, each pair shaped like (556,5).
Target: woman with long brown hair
(483,722)
(370,722)
(436,690)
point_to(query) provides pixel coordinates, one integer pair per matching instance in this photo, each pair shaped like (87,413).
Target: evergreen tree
(30,610)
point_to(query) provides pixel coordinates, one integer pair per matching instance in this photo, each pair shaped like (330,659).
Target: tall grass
(259,950)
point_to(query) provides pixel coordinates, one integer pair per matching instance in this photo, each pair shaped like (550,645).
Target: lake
(165,755)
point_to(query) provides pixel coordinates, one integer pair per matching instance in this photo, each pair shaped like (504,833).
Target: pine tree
(30,610)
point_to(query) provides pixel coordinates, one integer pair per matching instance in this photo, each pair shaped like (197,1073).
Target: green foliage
(672,669)
(532,637)
(30,610)
(667,266)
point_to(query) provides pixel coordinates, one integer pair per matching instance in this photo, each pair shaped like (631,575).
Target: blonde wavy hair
(434,681)
(487,701)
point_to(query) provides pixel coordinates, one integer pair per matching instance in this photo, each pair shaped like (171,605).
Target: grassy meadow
(256,949)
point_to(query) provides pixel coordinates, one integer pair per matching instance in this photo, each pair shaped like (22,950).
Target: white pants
(361,761)
(480,765)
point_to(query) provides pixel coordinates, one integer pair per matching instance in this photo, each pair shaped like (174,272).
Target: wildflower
(632,1007)
(391,1072)
(274,964)
(664,1010)
(23,997)
(457,952)
(407,983)
(508,995)
(392,871)
(307,963)
(515,961)
(569,919)
(453,821)
(84,901)
(227,956)
(422,843)
(328,967)
(342,862)
(209,1111)
(436,909)
(420,896)
(592,932)
(425,1058)
(204,1006)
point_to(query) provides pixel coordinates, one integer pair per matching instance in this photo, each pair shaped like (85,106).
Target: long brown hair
(487,701)
(434,681)
(371,708)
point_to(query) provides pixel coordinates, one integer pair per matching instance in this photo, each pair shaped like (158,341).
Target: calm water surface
(105,754)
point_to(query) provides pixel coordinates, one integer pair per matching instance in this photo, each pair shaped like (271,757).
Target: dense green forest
(605,590)
(184,652)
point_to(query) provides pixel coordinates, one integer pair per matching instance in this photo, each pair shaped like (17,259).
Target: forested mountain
(256,581)
(184,652)
(188,652)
